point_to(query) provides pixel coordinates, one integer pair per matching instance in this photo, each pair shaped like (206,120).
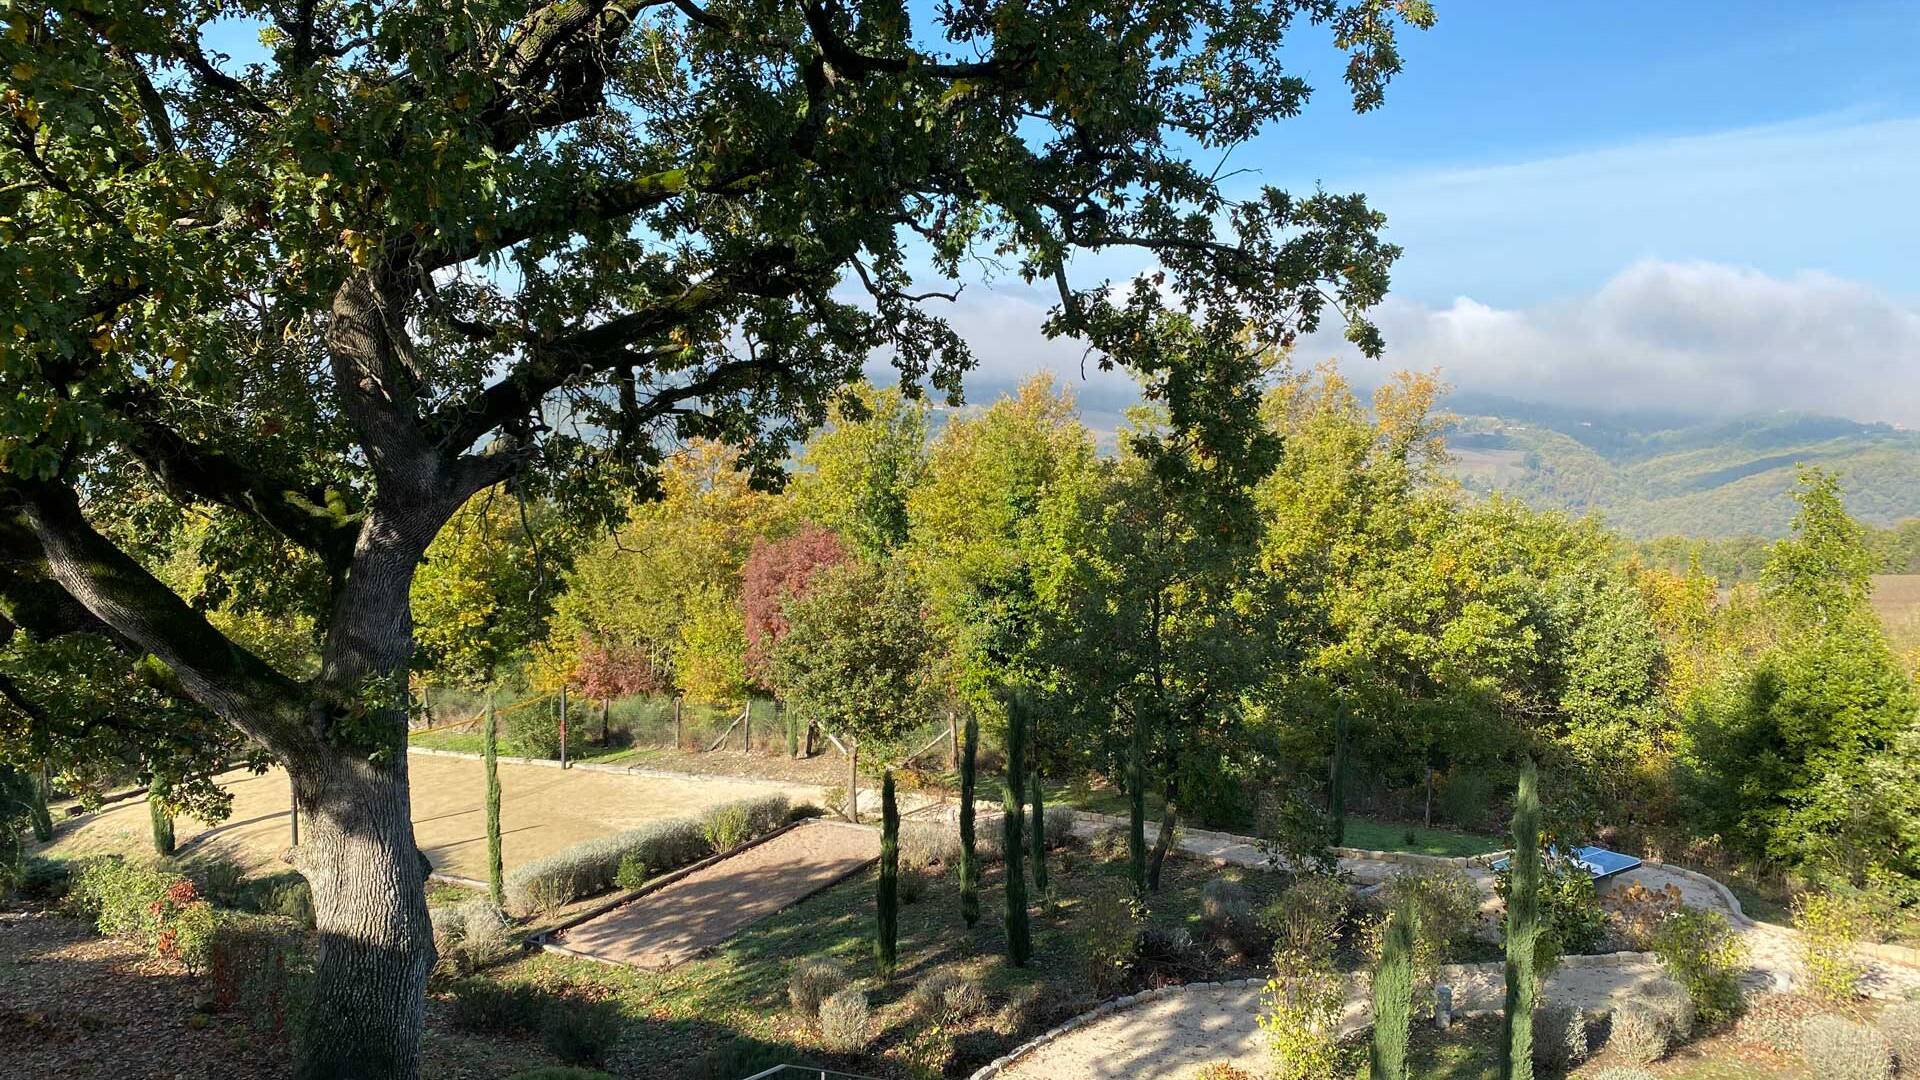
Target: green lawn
(727,1015)
(1375,835)
(1362,832)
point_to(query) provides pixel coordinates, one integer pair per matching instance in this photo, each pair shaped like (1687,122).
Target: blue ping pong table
(1597,861)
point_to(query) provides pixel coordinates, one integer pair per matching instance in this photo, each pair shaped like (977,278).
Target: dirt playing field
(541,810)
(705,908)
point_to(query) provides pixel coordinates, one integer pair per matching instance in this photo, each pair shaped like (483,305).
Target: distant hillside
(1655,474)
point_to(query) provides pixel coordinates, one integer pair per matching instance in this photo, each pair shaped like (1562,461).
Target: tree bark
(1169,819)
(368,1002)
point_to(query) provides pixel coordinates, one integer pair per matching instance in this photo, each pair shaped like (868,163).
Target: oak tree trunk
(368,1003)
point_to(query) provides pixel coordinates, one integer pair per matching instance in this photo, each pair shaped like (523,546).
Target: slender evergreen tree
(42,791)
(1137,811)
(969,858)
(1337,781)
(1019,939)
(1037,829)
(886,940)
(1393,993)
(162,822)
(496,879)
(1523,928)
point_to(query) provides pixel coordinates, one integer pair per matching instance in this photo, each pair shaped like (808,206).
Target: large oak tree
(412,249)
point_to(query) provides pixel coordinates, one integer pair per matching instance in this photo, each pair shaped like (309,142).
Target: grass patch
(1373,835)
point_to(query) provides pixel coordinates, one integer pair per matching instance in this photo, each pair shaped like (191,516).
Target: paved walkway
(682,919)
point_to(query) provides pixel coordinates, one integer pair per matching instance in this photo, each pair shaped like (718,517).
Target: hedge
(589,867)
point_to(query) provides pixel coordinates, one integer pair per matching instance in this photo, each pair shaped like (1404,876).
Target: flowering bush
(161,911)
(1703,953)
(1830,924)
(1301,1015)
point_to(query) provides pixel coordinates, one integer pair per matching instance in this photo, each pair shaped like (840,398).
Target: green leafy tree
(1777,759)
(1523,929)
(1159,621)
(482,596)
(855,474)
(855,658)
(401,255)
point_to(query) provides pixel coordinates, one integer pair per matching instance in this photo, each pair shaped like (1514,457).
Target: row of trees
(1200,615)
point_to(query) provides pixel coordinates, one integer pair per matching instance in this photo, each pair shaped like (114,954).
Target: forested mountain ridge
(1652,474)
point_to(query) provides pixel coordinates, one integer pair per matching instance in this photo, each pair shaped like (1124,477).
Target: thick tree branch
(236,685)
(299,512)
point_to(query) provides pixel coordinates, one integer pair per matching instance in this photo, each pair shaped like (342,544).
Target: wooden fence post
(746,726)
(563,726)
(679,735)
(853,780)
(293,800)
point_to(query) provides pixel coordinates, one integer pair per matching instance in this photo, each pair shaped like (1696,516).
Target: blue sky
(1701,205)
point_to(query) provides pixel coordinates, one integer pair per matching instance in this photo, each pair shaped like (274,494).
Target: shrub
(43,879)
(1839,1049)
(1900,1024)
(1307,919)
(579,1032)
(1560,1037)
(163,912)
(725,826)
(1222,1070)
(845,1021)
(1701,951)
(560,1072)
(1059,825)
(1109,843)
(1620,1072)
(1448,904)
(286,895)
(989,839)
(1830,924)
(632,872)
(1774,1021)
(1300,1013)
(1638,911)
(812,982)
(1571,918)
(946,996)
(255,964)
(926,844)
(910,886)
(470,936)
(1226,910)
(221,881)
(489,1007)
(590,866)
(1639,1035)
(1110,939)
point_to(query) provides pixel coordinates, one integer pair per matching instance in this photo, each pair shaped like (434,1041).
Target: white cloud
(1697,337)
(1692,336)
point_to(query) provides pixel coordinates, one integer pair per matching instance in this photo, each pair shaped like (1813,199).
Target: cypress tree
(887,936)
(1137,810)
(969,859)
(1523,928)
(1019,941)
(162,822)
(1393,994)
(1038,830)
(42,784)
(1337,780)
(496,880)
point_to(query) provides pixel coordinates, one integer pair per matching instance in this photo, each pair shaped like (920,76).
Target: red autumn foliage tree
(776,572)
(613,671)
